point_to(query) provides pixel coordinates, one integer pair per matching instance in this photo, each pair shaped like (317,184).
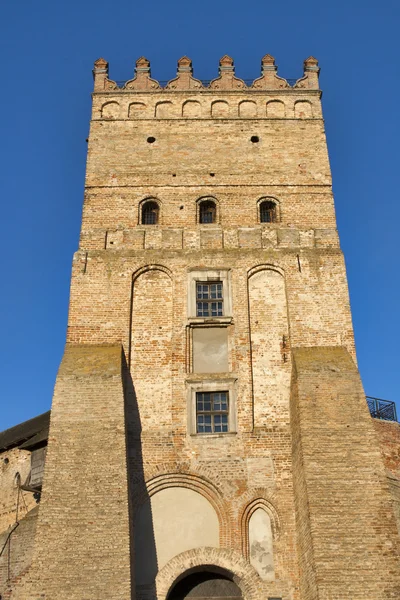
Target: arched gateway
(208,573)
(205,585)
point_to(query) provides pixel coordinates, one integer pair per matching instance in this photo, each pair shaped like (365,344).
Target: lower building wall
(15,467)
(83,535)
(17,543)
(298,511)
(352,543)
(388,433)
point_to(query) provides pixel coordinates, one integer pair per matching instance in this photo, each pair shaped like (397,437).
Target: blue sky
(48,49)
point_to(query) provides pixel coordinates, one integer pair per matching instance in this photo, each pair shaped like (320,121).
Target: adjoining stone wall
(340,483)
(15,466)
(388,433)
(84,523)
(16,559)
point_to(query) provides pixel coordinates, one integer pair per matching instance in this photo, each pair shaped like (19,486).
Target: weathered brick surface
(389,439)
(319,478)
(83,527)
(15,466)
(344,509)
(17,555)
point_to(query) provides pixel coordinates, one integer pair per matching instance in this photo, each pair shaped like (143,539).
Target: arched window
(268,212)
(150,210)
(207,211)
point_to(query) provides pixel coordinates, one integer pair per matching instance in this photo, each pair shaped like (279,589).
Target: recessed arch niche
(220,109)
(275,109)
(172,521)
(191,109)
(303,109)
(137,110)
(164,110)
(151,346)
(269,333)
(247,109)
(260,539)
(110,110)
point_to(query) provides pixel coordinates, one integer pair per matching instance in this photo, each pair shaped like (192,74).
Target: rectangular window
(209,299)
(212,411)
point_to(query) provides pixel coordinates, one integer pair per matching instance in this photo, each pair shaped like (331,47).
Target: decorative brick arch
(192,482)
(219,560)
(258,501)
(146,268)
(270,267)
(265,267)
(110,110)
(135,276)
(303,109)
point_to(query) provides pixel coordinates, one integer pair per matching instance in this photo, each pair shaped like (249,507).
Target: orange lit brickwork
(300,456)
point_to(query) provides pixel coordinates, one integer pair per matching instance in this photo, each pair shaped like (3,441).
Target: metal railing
(382,409)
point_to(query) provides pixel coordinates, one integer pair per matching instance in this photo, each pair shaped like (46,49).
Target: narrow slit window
(212,412)
(150,212)
(268,212)
(209,299)
(207,211)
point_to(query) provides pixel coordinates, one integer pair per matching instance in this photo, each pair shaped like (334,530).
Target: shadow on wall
(143,544)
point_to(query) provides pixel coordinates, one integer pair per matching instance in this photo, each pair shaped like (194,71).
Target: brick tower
(209,432)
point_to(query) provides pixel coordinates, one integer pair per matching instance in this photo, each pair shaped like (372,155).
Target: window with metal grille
(150,213)
(209,299)
(212,411)
(207,211)
(267,211)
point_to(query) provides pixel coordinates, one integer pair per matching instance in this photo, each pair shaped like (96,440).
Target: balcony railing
(382,409)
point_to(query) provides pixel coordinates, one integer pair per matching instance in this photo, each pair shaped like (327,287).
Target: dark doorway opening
(204,585)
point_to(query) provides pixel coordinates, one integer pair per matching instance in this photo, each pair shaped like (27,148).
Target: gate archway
(226,565)
(205,585)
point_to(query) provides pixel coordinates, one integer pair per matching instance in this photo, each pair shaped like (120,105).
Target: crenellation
(226,80)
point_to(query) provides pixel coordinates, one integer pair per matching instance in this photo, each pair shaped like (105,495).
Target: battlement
(226,81)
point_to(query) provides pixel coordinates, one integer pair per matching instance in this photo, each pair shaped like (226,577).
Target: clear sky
(48,49)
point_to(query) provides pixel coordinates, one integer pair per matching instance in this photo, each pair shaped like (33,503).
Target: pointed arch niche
(172,521)
(151,345)
(269,335)
(260,528)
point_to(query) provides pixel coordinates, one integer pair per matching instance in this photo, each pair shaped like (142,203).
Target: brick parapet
(226,80)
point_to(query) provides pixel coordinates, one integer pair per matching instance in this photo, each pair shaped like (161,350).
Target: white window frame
(210,275)
(217,385)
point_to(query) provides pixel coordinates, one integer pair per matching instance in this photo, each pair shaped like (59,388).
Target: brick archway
(228,562)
